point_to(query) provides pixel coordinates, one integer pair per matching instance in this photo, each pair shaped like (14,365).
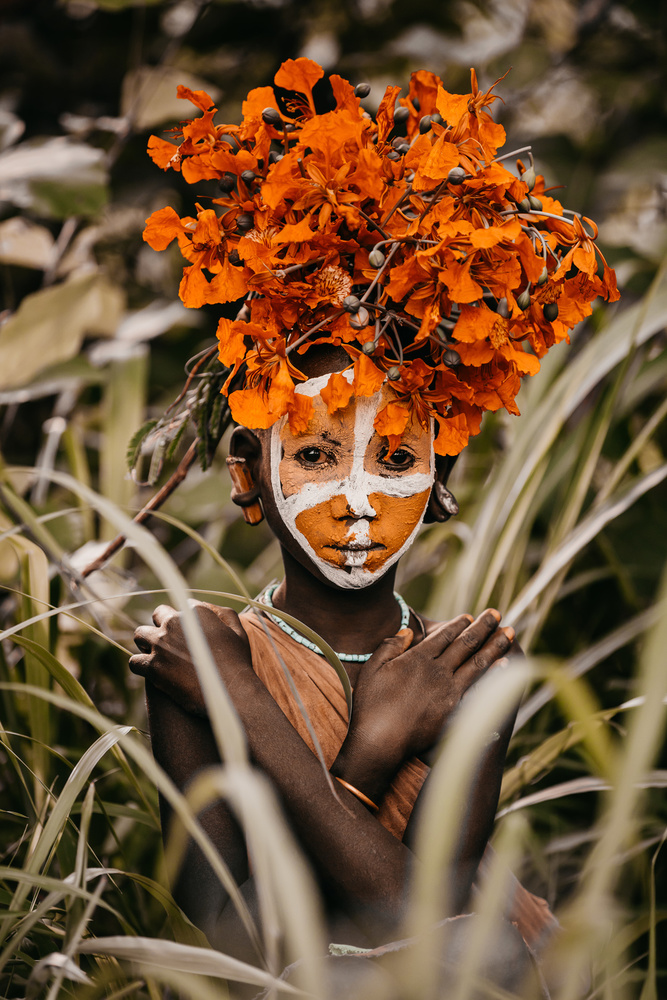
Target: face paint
(351,509)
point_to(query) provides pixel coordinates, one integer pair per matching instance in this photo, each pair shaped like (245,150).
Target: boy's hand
(404,697)
(165,660)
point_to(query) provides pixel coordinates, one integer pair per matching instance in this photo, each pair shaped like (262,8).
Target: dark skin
(404,696)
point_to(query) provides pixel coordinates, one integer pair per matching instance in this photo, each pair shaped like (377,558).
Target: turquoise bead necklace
(267,598)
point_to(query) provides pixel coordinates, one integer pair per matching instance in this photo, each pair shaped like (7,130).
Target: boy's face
(350,508)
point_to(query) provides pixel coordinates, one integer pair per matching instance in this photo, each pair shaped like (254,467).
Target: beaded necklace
(266,598)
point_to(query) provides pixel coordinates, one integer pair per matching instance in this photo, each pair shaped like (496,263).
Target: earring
(446,500)
(245,494)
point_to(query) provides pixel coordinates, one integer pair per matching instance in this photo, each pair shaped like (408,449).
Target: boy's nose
(352,503)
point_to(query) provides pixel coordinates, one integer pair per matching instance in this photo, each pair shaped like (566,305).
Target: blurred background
(563,511)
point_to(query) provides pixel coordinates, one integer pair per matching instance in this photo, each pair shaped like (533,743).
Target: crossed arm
(403,698)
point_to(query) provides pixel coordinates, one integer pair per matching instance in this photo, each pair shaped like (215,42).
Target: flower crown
(404,239)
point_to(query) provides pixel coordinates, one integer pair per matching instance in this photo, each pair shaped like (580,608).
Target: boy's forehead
(343,424)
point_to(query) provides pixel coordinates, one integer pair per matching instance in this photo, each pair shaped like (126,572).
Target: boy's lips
(357,547)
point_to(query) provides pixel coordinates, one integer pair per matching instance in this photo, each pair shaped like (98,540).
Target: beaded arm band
(360,795)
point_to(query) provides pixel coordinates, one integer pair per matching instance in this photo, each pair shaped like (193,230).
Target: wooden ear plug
(244,492)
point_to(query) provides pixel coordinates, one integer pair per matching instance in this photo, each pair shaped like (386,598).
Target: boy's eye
(400,459)
(313,456)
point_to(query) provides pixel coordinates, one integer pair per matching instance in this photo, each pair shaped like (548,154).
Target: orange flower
(418,219)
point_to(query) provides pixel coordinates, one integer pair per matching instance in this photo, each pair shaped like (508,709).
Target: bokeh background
(563,511)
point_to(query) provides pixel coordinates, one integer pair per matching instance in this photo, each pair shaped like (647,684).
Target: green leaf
(49,326)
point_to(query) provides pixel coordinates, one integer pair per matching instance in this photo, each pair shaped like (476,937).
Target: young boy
(392,272)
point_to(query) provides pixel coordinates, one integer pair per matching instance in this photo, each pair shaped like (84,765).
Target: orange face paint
(353,509)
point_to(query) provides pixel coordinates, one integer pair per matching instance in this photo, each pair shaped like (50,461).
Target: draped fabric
(292,673)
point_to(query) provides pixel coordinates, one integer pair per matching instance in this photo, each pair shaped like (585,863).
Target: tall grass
(556,530)
(86,909)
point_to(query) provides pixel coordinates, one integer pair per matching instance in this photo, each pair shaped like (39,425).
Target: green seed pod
(523,301)
(272,117)
(245,222)
(376,259)
(529,178)
(394,373)
(456,175)
(248,176)
(550,311)
(425,124)
(351,304)
(401,115)
(362,90)
(360,319)
(535,203)
(543,278)
(502,308)
(451,358)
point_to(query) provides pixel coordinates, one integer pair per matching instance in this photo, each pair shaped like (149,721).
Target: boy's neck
(351,621)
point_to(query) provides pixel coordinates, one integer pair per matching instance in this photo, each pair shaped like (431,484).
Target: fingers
(140,664)
(443,636)
(392,647)
(162,613)
(226,615)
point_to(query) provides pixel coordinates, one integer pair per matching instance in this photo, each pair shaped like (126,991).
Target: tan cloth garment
(322,695)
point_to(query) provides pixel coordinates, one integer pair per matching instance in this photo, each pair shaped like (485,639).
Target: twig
(156,501)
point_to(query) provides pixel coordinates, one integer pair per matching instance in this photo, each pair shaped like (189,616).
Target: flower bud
(535,203)
(544,277)
(362,90)
(393,155)
(524,205)
(351,304)
(550,311)
(245,222)
(456,175)
(360,319)
(248,176)
(502,308)
(523,300)
(227,182)
(451,358)
(425,124)
(394,373)
(403,148)
(529,178)
(401,115)
(438,119)
(369,347)
(376,258)
(235,259)
(272,117)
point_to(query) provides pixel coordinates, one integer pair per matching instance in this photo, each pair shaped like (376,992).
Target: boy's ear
(442,503)
(245,451)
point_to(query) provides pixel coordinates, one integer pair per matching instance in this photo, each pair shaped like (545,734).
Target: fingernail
(509,632)
(405,632)
(492,611)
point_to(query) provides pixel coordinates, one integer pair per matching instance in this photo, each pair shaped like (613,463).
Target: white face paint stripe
(356,487)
